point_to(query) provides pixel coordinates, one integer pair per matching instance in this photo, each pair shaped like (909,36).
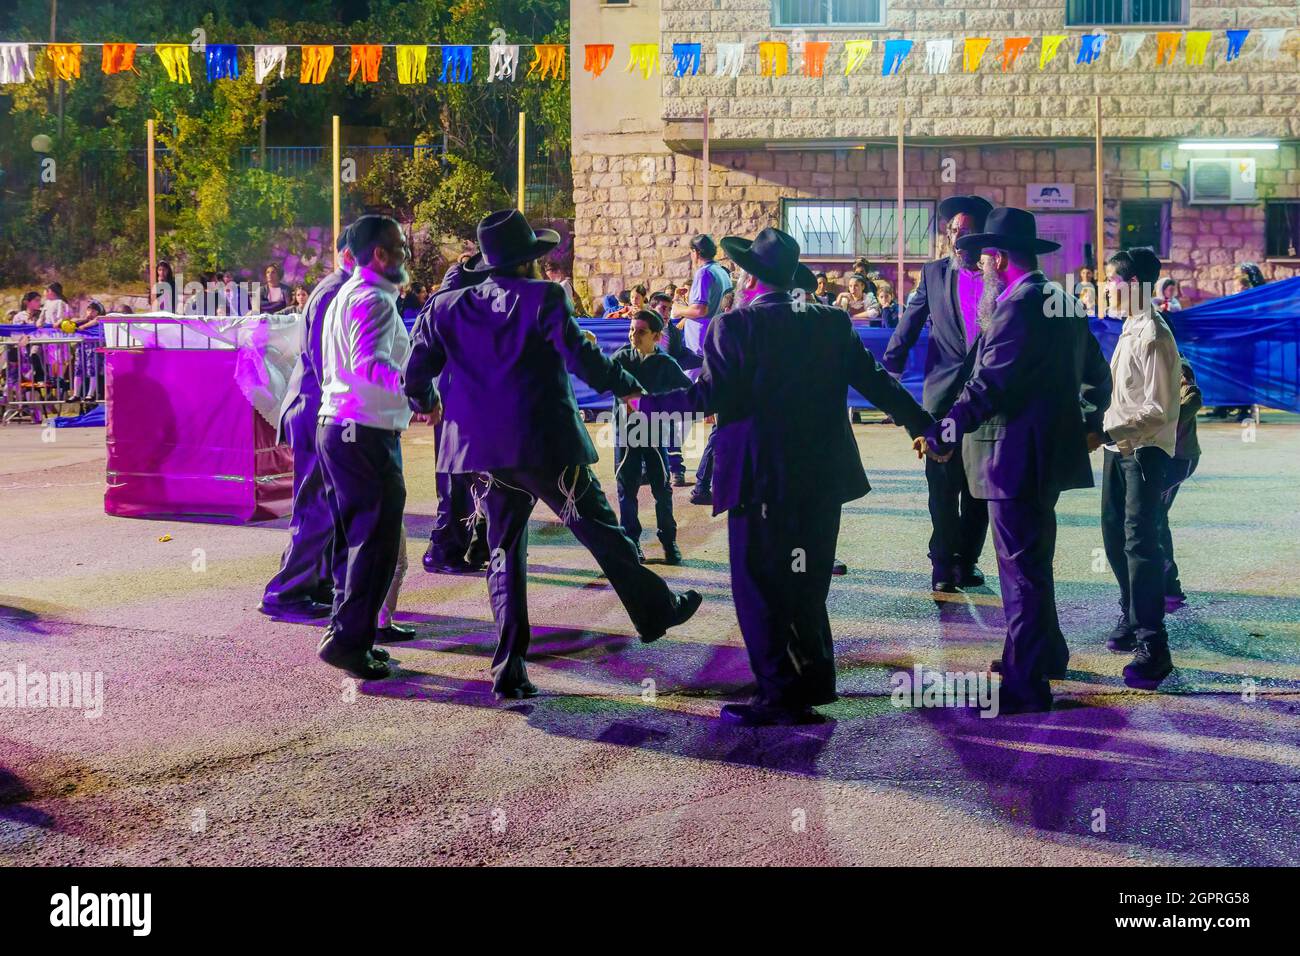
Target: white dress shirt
(1146,374)
(364,348)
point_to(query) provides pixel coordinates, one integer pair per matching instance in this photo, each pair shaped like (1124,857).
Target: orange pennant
(365,59)
(814,58)
(549,59)
(1166,47)
(118,58)
(597,57)
(316,62)
(1012,47)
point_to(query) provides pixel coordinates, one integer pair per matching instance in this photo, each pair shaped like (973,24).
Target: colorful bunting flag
(597,58)
(731,57)
(973,52)
(223,61)
(365,60)
(855,55)
(1051,44)
(117,58)
(1166,47)
(549,59)
(316,62)
(1270,42)
(503,61)
(686,59)
(773,59)
(1012,48)
(1197,42)
(938,55)
(896,52)
(1129,44)
(175,58)
(15,63)
(413,63)
(643,57)
(1090,47)
(814,58)
(265,61)
(457,64)
(1236,40)
(66,58)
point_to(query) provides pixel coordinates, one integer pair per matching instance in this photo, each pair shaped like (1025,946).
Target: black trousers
(629,466)
(367,495)
(306,567)
(781,558)
(959,521)
(704,473)
(1024,536)
(454,537)
(584,509)
(1131,508)
(1177,471)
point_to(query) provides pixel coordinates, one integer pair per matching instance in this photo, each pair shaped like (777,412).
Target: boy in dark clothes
(641,445)
(1187,454)
(674,343)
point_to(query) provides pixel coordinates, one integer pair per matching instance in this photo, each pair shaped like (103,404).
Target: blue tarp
(1245,348)
(92,419)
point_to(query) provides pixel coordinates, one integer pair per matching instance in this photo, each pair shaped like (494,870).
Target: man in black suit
(458,539)
(508,345)
(303,587)
(777,370)
(1039,384)
(948,298)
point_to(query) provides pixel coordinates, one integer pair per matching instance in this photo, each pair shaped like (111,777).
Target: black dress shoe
(943,586)
(1123,636)
(679,480)
(761,715)
(1026,705)
(838,567)
(701,496)
(522,692)
(640,555)
(295,611)
(672,553)
(360,664)
(685,605)
(970,577)
(395,632)
(1053,671)
(436,565)
(1150,665)
(381,654)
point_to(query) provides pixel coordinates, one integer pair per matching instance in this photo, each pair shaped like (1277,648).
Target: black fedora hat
(1009,228)
(977,207)
(505,239)
(772,257)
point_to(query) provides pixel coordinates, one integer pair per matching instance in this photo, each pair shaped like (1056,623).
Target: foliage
(212,209)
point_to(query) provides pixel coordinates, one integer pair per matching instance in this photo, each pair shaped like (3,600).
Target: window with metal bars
(1144,223)
(847,228)
(1282,229)
(828,13)
(1121,12)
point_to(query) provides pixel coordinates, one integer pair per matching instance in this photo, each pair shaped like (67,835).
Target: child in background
(640,444)
(888,308)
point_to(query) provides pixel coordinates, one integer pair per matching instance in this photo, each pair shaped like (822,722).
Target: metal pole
(708,169)
(1101,216)
(153,219)
(522,143)
(899,295)
(334,178)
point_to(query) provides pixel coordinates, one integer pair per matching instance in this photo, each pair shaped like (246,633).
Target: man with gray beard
(1038,385)
(947,298)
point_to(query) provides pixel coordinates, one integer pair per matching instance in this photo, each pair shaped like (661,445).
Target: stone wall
(1250,97)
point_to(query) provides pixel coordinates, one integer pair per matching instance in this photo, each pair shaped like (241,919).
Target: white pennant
(266,59)
(504,61)
(15,62)
(1270,41)
(938,54)
(731,56)
(1129,44)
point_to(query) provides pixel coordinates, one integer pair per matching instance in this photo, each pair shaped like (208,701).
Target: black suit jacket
(505,348)
(1038,385)
(778,380)
(947,359)
(304,390)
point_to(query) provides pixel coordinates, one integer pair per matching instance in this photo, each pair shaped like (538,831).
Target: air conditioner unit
(1221,180)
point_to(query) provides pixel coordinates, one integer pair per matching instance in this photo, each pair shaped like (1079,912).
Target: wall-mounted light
(1201,144)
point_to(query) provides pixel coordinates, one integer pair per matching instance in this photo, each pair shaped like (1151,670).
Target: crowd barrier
(42,369)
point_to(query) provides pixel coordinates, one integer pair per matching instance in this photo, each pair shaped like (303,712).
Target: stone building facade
(817,155)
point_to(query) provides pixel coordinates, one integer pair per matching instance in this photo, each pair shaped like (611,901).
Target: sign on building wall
(1049,195)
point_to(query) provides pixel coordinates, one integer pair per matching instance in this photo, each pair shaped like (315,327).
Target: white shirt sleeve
(1159,401)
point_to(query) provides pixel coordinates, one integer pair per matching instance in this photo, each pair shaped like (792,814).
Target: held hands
(923,449)
(429,418)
